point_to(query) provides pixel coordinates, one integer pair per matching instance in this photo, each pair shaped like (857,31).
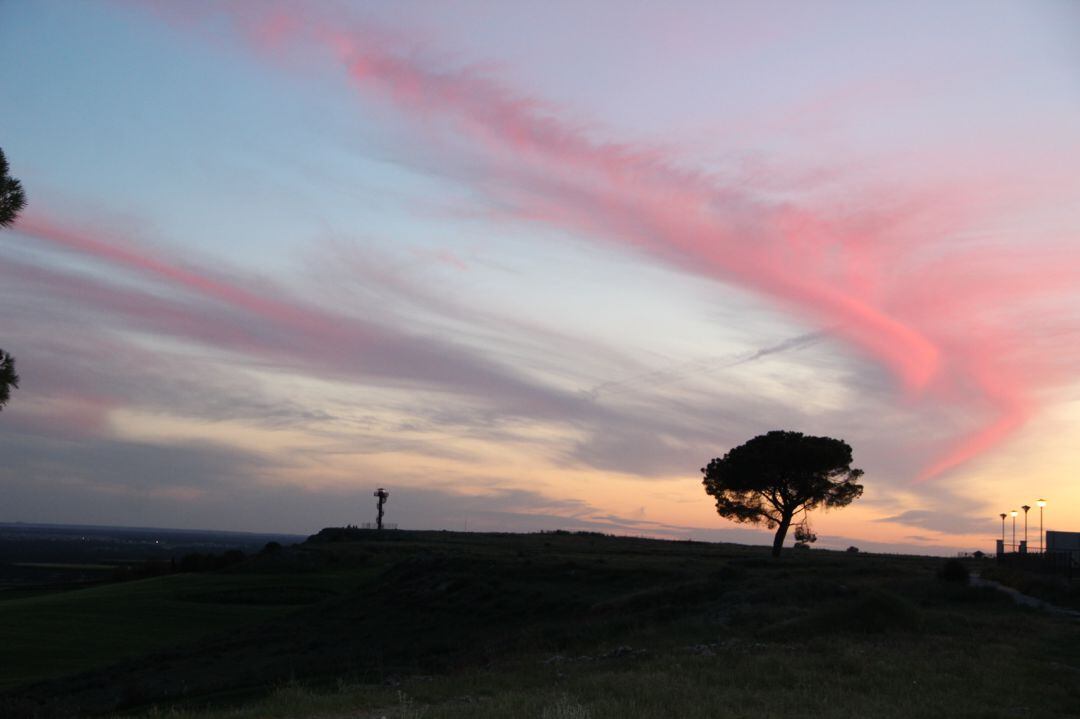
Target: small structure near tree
(804,535)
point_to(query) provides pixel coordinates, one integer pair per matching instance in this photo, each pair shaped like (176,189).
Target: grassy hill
(437,624)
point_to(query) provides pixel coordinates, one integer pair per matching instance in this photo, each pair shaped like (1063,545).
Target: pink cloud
(62,415)
(638,196)
(952,329)
(264,321)
(84,241)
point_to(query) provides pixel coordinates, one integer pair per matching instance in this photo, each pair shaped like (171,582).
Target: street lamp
(1041,503)
(1013,514)
(1025,508)
(1003,531)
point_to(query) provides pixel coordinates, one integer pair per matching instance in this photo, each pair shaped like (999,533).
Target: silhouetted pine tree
(12,197)
(8,378)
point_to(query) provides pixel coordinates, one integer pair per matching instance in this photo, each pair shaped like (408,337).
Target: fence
(1065,564)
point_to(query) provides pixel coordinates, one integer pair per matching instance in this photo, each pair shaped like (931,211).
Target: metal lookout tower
(382,494)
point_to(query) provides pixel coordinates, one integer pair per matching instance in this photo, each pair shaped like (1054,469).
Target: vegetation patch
(1054,589)
(445,625)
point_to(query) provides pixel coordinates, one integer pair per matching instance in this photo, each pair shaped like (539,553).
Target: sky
(531,265)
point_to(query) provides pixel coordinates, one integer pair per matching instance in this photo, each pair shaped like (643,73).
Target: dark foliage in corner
(8,377)
(12,197)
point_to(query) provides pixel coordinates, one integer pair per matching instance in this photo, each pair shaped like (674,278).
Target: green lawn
(49,635)
(850,676)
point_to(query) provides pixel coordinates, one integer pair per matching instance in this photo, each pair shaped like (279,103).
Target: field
(437,624)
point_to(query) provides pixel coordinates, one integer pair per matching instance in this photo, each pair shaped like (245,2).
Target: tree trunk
(781,533)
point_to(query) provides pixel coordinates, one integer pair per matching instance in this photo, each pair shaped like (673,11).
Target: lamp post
(1025,508)
(1003,530)
(1041,503)
(1013,514)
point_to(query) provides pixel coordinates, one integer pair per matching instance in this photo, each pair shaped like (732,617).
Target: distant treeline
(193,562)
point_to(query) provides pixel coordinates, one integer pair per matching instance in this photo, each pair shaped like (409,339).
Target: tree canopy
(12,198)
(773,476)
(8,378)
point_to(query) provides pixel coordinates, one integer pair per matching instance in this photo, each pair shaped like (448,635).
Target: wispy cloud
(858,272)
(268,324)
(684,370)
(943,521)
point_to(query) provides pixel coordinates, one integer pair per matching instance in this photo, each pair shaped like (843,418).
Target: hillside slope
(528,621)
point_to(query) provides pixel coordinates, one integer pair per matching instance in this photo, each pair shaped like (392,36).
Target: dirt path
(1024,599)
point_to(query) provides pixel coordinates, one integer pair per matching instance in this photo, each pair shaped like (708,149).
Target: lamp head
(1041,502)
(1025,508)
(1003,515)
(1013,513)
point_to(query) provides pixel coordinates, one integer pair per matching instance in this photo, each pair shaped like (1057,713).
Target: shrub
(881,611)
(953,570)
(876,612)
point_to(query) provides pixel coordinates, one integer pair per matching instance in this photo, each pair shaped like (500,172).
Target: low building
(1064,543)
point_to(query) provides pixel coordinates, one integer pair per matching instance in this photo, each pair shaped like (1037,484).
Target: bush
(877,612)
(852,550)
(881,611)
(953,570)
